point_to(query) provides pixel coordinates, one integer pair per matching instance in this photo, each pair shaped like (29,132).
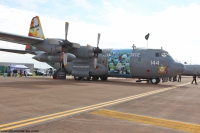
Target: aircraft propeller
(65,44)
(96,50)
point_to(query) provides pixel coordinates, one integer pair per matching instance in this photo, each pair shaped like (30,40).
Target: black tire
(155,80)
(158,80)
(95,77)
(77,78)
(104,78)
(86,78)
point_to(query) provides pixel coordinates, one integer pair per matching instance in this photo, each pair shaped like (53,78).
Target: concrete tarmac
(41,104)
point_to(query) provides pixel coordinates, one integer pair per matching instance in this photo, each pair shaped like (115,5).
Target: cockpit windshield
(162,54)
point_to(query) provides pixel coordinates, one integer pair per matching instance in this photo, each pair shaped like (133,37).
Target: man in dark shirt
(194,79)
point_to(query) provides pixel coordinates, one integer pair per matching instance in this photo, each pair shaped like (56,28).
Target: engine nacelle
(53,58)
(100,71)
(83,52)
(50,46)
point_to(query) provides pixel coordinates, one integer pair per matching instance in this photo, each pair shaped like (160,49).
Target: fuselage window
(157,54)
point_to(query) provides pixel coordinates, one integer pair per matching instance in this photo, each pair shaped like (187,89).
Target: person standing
(14,71)
(50,72)
(179,77)
(194,79)
(24,73)
(20,72)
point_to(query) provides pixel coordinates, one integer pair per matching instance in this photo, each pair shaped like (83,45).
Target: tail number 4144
(153,62)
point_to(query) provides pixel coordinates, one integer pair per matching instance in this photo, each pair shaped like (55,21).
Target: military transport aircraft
(84,62)
(191,69)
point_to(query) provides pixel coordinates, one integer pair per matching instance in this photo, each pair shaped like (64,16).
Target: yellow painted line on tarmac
(172,124)
(30,121)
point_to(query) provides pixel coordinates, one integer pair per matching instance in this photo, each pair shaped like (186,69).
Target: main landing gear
(82,78)
(153,80)
(88,78)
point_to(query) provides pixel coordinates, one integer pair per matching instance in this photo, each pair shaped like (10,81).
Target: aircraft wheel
(86,78)
(77,78)
(95,77)
(154,81)
(104,78)
(158,80)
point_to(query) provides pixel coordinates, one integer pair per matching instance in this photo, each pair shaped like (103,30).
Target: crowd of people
(21,72)
(14,72)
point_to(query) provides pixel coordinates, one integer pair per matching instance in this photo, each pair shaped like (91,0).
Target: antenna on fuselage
(133,46)
(161,48)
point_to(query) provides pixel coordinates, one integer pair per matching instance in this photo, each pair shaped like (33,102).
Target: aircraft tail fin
(35,30)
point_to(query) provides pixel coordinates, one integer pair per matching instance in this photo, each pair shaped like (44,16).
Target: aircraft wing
(25,40)
(20,51)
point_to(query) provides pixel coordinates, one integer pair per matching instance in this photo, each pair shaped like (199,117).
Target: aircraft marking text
(135,54)
(154,62)
(81,66)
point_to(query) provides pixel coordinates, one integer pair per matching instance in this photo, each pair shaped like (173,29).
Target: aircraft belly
(118,63)
(85,68)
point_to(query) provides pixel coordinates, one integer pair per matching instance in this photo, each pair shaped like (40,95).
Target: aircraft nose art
(176,68)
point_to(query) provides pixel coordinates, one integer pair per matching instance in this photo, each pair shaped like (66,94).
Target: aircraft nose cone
(176,68)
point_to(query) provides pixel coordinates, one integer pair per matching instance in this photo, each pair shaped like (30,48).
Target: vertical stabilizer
(35,31)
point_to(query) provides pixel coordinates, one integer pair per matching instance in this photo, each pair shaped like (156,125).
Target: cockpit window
(165,54)
(161,54)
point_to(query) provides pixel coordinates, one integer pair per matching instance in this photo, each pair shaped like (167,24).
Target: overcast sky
(172,24)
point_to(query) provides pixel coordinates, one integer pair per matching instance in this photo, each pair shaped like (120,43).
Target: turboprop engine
(89,52)
(83,52)
(53,58)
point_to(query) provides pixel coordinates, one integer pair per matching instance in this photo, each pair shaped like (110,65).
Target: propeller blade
(65,59)
(66,29)
(98,39)
(95,62)
(89,47)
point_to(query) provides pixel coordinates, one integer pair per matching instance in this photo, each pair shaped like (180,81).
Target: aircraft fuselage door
(135,63)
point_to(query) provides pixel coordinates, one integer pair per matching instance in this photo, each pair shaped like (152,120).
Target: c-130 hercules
(84,62)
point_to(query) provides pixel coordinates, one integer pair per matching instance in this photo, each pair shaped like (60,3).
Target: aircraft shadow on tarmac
(132,84)
(37,84)
(120,82)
